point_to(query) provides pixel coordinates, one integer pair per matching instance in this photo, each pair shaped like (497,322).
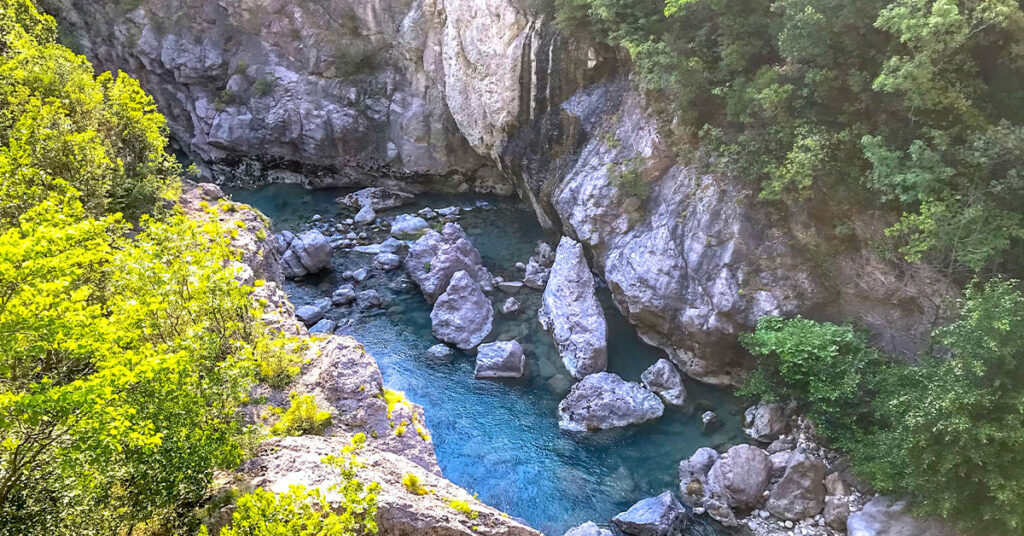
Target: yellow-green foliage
(463,507)
(307,512)
(393,398)
(302,417)
(400,429)
(413,484)
(65,131)
(420,429)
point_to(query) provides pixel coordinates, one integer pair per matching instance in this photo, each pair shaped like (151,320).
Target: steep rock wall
(488,94)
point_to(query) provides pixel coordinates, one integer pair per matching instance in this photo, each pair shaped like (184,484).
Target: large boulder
(572,314)
(588,529)
(654,516)
(462,315)
(435,257)
(376,198)
(604,400)
(801,491)
(305,253)
(884,516)
(693,475)
(663,379)
(741,476)
(836,512)
(765,422)
(500,359)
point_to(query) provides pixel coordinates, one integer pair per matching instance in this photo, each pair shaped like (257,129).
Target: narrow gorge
(522,304)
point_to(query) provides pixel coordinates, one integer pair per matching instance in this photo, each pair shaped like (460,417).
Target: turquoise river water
(501,438)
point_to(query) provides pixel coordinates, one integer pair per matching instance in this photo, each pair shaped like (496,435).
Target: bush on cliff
(947,431)
(126,344)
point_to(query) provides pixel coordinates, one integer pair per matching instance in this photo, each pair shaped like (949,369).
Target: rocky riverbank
(345,380)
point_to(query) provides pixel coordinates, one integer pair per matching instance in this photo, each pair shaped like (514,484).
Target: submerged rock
(765,422)
(440,353)
(663,379)
(462,315)
(369,299)
(305,253)
(741,476)
(435,257)
(604,400)
(511,306)
(654,516)
(801,491)
(409,227)
(572,314)
(588,529)
(500,359)
(536,275)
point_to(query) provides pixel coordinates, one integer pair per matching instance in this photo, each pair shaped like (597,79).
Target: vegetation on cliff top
(910,105)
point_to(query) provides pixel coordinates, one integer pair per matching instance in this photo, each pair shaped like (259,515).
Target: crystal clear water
(501,438)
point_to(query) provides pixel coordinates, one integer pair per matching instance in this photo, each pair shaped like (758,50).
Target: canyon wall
(488,96)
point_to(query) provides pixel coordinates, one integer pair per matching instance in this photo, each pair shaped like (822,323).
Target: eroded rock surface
(500,359)
(305,253)
(462,316)
(572,314)
(663,379)
(604,400)
(740,476)
(435,257)
(654,516)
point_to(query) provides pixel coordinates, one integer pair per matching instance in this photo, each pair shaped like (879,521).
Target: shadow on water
(501,439)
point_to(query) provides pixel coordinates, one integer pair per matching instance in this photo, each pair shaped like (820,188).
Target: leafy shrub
(463,508)
(303,417)
(413,484)
(302,511)
(628,179)
(945,431)
(263,87)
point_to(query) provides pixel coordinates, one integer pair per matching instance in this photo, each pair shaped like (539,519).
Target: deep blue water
(501,439)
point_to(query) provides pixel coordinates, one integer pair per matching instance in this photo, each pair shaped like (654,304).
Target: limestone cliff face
(488,94)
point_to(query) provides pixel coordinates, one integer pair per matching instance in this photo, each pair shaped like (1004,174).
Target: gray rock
(511,306)
(717,508)
(781,444)
(884,516)
(311,314)
(663,379)
(427,213)
(462,315)
(408,227)
(325,326)
(780,460)
(510,287)
(369,299)
(835,484)
(693,475)
(435,257)
(709,420)
(360,275)
(521,266)
(572,314)
(500,359)
(536,274)
(604,400)
(305,253)
(389,245)
(440,353)
(448,211)
(344,295)
(387,261)
(801,492)
(654,516)
(365,216)
(588,529)
(765,422)
(836,512)
(376,198)
(741,476)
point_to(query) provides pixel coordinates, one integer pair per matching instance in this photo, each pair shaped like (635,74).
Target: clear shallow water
(501,439)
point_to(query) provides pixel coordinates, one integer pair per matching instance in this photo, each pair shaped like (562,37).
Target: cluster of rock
(345,380)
